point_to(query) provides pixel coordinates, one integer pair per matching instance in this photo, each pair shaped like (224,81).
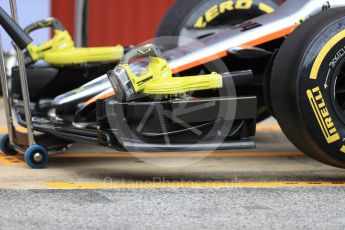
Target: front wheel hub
(38,157)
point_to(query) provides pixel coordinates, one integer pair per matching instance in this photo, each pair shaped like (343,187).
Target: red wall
(111,22)
(64,11)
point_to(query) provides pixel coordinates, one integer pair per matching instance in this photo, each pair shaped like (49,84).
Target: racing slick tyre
(308,87)
(195,19)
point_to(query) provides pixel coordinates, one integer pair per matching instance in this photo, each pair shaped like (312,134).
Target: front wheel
(308,87)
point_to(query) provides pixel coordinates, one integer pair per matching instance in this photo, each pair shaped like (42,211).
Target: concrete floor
(273,186)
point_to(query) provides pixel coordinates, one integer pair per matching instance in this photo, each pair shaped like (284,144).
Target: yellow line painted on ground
(268,128)
(17,160)
(18,128)
(66,185)
(176,155)
(259,128)
(11,160)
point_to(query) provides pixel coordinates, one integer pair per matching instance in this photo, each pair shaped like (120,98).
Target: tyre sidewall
(315,93)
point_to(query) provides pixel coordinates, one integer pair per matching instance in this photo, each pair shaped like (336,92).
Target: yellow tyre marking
(227,6)
(212,13)
(324,51)
(200,23)
(244,4)
(216,184)
(330,137)
(265,8)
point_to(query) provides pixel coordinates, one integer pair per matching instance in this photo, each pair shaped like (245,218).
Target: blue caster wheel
(36,156)
(5,146)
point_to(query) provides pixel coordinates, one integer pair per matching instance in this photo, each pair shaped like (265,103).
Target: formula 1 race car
(48,81)
(143,105)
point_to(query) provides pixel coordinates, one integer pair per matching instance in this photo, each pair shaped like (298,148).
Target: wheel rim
(338,91)
(38,157)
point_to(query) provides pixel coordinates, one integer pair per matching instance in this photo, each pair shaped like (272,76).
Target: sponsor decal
(322,115)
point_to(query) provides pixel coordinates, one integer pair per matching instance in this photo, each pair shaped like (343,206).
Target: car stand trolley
(49,137)
(36,155)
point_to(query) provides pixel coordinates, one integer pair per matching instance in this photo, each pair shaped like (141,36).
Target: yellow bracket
(180,85)
(60,50)
(84,55)
(157,79)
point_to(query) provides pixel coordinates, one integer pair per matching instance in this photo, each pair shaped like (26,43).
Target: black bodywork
(47,82)
(96,123)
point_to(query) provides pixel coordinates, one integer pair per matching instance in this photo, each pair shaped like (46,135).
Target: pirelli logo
(322,115)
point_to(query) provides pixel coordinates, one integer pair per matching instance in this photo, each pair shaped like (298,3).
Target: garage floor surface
(273,186)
